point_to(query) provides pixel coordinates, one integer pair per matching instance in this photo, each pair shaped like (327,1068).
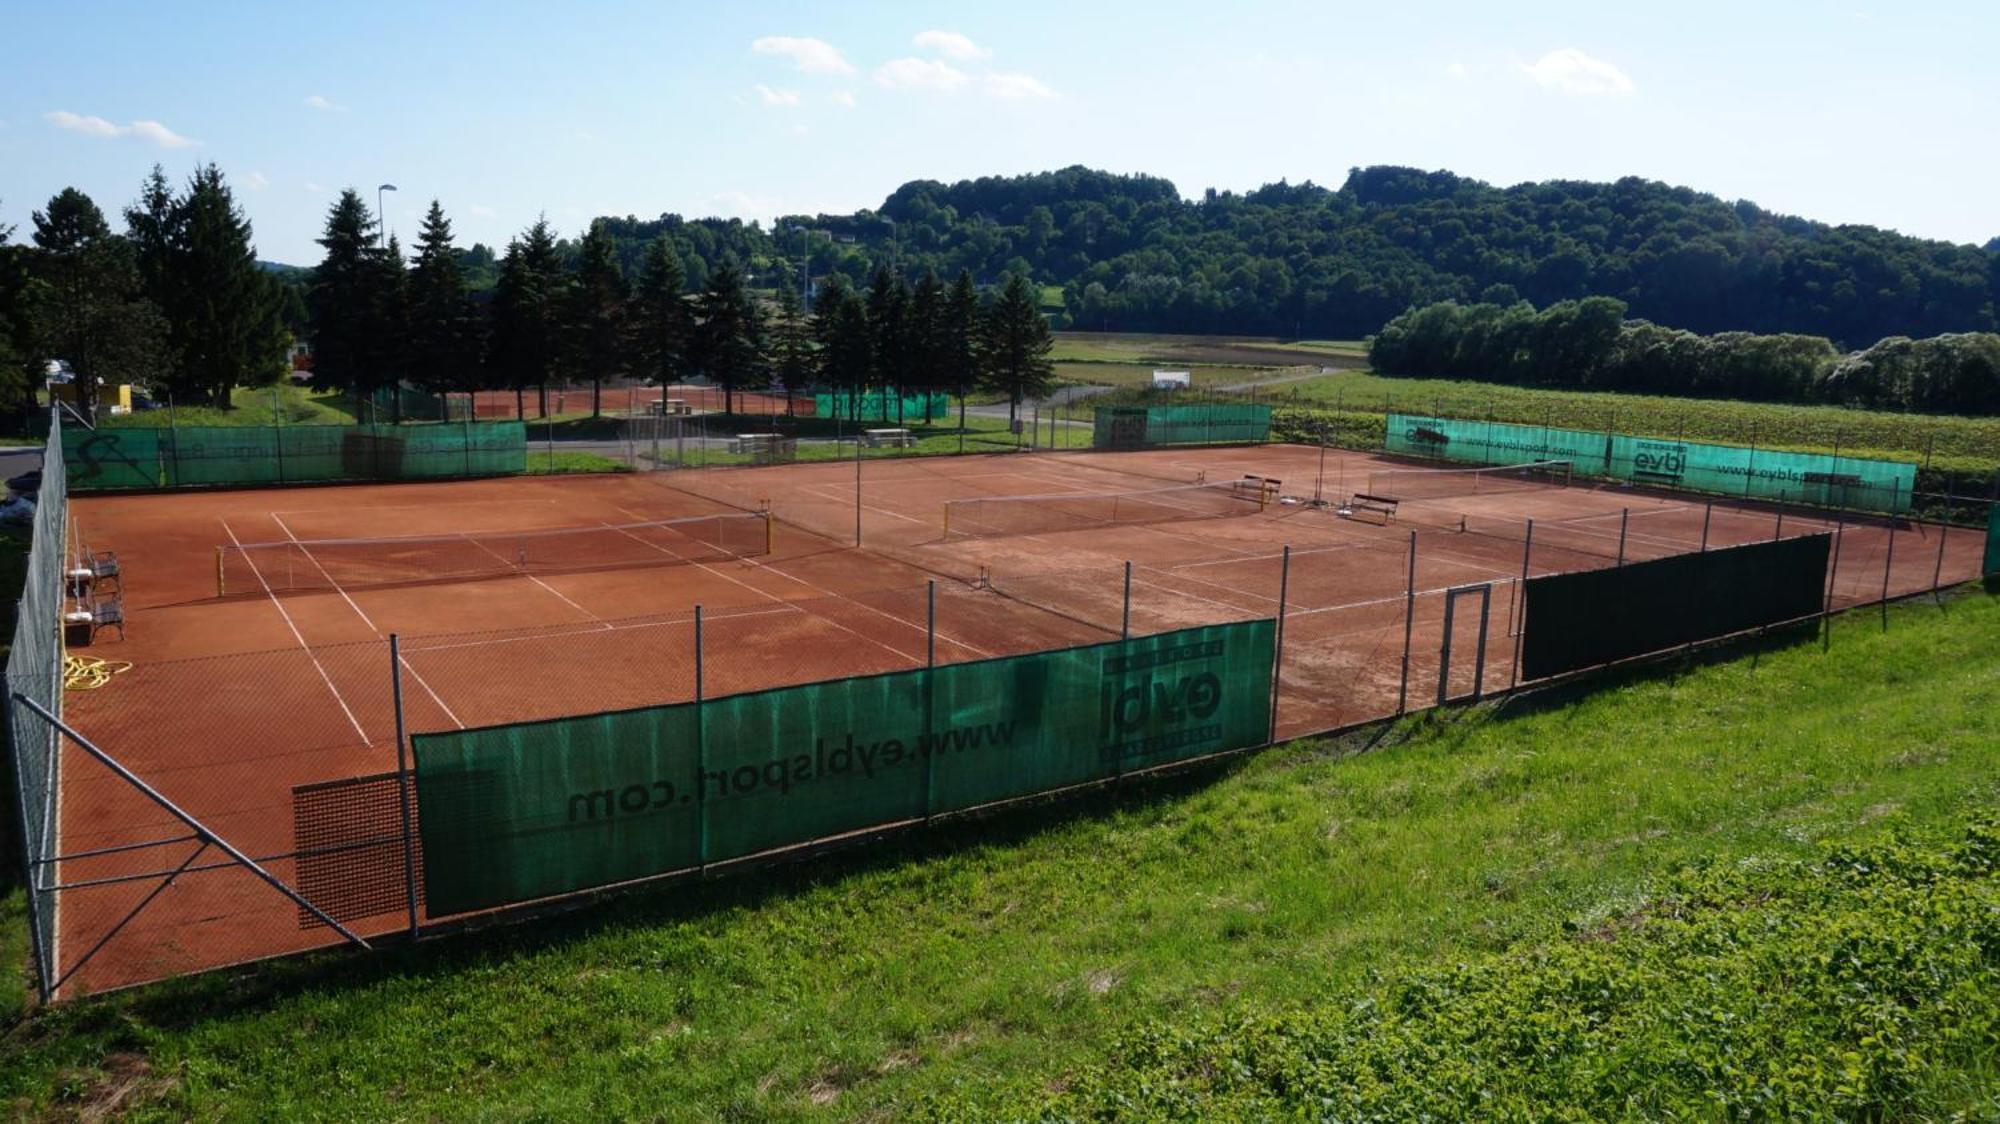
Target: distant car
(26,484)
(143,401)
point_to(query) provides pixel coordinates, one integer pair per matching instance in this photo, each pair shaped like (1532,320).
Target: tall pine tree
(958,341)
(528,308)
(888,325)
(729,341)
(346,301)
(226,328)
(792,357)
(443,323)
(1017,344)
(598,341)
(840,328)
(662,324)
(93,311)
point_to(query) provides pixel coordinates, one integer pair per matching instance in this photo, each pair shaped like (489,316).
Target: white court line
(329,577)
(297,635)
(820,491)
(782,608)
(538,581)
(350,508)
(823,592)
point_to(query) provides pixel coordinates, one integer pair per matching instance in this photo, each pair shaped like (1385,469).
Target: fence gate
(1484,591)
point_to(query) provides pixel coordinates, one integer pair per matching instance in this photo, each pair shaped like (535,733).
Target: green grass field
(987,965)
(1179,352)
(1970,445)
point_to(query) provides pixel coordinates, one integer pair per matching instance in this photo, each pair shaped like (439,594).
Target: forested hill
(1287,259)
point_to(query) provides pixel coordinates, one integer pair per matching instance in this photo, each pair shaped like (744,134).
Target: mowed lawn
(984,962)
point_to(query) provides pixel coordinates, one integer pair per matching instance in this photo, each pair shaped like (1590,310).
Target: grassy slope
(988,960)
(284,404)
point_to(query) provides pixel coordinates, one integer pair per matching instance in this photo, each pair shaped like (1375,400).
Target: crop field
(1956,443)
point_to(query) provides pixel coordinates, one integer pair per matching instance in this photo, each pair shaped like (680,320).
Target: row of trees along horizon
(178,301)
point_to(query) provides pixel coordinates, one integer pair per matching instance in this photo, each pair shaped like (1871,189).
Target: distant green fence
(1992,561)
(1731,470)
(513,813)
(206,456)
(1198,423)
(876,404)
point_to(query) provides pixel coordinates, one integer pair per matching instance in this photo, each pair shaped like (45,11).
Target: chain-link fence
(35,674)
(270,801)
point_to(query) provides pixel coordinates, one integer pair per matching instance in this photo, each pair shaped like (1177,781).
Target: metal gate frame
(1451,596)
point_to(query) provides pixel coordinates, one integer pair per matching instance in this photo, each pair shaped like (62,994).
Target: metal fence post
(1624,517)
(1125,623)
(857,488)
(1707,513)
(1944,533)
(44,971)
(1409,626)
(1278,655)
(1832,579)
(1521,625)
(928,739)
(700,752)
(403,782)
(1888,561)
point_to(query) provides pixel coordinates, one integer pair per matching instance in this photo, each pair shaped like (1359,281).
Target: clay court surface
(258,708)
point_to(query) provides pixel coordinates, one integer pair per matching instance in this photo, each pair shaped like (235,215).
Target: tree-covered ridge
(1132,255)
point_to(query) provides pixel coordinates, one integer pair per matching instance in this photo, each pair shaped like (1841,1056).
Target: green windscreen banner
(876,404)
(193,456)
(1730,470)
(1196,423)
(519,812)
(1594,617)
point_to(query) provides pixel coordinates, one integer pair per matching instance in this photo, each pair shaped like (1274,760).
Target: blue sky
(1845,112)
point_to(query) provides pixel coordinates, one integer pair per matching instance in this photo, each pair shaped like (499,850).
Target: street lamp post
(382,231)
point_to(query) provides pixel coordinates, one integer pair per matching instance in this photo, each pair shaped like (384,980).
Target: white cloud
(1017,87)
(799,130)
(919,74)
(1570,71)
(776,97)
(1458,70)
(482,211)
(159,134)
(323,103)
(316,189)
(809,56)
(81,123)
(90,126)
(844,99)
(256,181)
(951,45)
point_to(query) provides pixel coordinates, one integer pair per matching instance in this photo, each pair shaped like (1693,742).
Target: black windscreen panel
(1597,616)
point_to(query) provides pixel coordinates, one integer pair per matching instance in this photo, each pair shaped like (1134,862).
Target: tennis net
(295,564)
(1430,483)
(988,516)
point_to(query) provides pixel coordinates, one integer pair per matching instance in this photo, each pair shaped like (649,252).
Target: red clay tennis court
(261,696)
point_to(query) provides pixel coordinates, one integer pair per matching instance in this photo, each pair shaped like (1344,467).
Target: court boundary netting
(1354,641)
(988,516)
(1439,483)
(361,563)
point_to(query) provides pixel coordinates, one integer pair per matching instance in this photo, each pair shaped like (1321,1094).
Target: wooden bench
(1385,506)
(888,438)
(755,442)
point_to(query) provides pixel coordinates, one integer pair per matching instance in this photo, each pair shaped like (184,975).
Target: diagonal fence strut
(201,831)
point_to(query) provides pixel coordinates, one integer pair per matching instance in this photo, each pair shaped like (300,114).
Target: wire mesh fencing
(300,757)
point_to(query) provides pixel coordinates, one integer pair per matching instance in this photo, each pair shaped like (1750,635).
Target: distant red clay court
(262,697)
